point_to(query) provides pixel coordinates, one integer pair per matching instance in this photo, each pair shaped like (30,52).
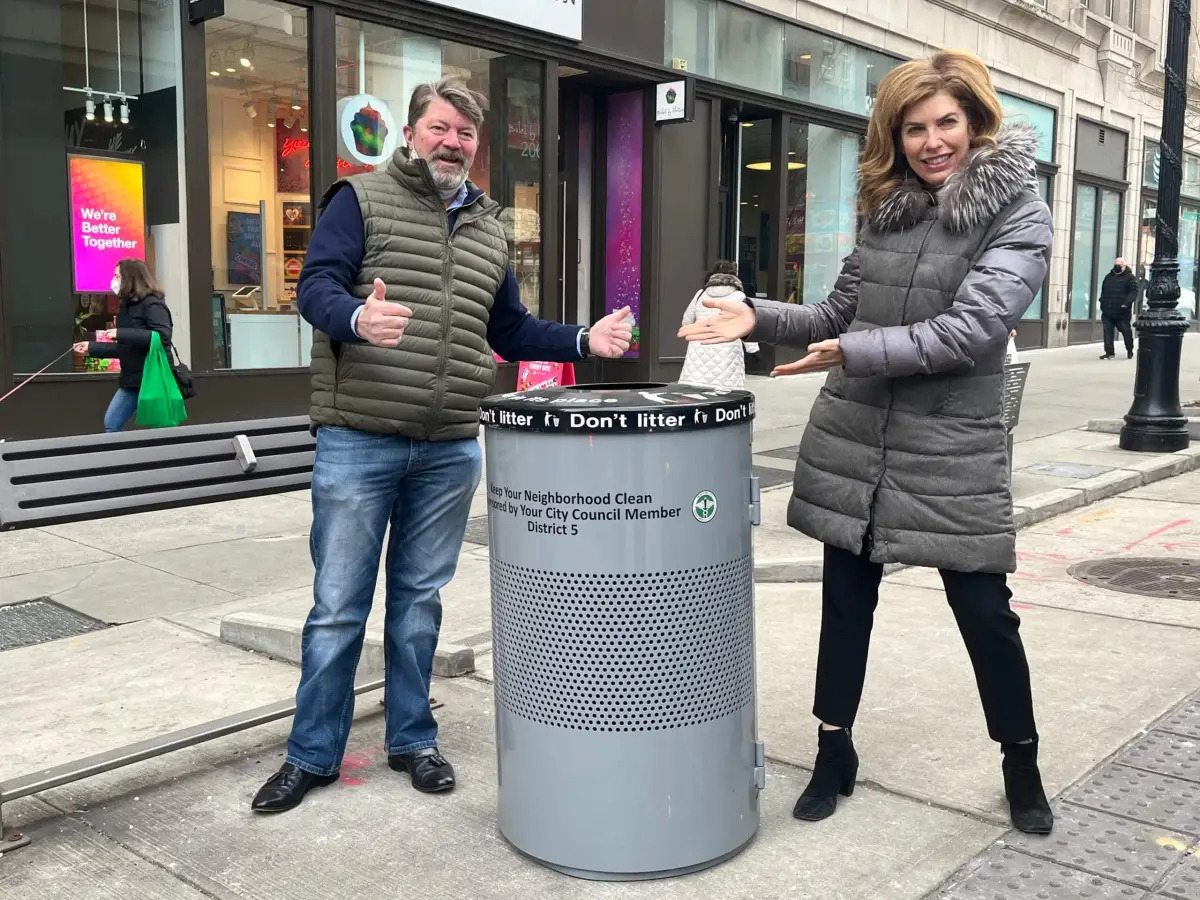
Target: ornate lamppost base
(1155,422)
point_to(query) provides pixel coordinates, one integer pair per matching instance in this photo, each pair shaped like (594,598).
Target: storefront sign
(675,101)
(561,17)
(108,219)
(367,130)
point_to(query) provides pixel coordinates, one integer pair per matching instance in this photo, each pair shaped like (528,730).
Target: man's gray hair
(452,90)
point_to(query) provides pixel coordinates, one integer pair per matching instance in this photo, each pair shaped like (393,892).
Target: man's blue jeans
(361,483)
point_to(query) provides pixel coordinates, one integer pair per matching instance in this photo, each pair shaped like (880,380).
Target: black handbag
(183,375)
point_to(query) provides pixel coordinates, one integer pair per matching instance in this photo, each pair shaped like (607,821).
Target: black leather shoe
(286,788)
(834,772)
(430,771)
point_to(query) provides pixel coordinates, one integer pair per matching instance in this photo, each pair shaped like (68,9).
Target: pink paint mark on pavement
(1156,532)
(352,781)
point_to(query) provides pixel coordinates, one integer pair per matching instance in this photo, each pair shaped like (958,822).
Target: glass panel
(623,208)
(1083,252)
(378,68)
(1040,117)
(1191,176)
(756,228)
(1109,247)
(750,49)
(691,31)
(258,119)
(1149,232)
(821,69)
(820,224)
(1035,308)
(1150,164)
(66,228)
(1189,232)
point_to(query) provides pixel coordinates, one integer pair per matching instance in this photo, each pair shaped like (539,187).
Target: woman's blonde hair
(961,75)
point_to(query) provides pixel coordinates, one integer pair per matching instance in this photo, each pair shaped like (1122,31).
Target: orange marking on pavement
(1156,533)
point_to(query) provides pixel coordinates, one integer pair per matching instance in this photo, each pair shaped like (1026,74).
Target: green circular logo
(704,507)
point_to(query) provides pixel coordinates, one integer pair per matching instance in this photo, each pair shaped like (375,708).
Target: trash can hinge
(755,501)
(760,765)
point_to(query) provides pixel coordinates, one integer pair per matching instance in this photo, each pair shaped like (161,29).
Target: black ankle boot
(1027,803)
(833,773)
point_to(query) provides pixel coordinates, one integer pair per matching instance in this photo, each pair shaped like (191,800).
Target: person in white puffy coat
(716,365)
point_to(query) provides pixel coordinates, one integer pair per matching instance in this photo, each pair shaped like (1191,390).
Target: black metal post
(1155,422)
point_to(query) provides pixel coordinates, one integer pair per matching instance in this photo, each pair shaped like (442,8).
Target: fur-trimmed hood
(989,179)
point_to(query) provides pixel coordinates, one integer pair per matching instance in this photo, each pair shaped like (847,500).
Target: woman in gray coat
(904,458)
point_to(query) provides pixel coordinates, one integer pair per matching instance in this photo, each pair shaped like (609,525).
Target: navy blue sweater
(335,255)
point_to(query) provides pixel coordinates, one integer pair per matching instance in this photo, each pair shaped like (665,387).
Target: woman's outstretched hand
(821,356)
(734,321)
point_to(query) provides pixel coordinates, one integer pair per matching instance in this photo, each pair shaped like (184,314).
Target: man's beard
(448,181)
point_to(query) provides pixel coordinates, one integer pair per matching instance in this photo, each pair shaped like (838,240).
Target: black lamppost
(1155,422)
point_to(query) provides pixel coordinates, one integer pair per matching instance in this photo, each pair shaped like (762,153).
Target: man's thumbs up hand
(382,322)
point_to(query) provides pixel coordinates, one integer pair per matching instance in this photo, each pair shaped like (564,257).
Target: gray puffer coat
(904,452)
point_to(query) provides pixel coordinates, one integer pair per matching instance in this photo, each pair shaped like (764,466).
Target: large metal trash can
(622,580)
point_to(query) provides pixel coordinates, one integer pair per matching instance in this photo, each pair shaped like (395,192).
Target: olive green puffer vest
(430,387)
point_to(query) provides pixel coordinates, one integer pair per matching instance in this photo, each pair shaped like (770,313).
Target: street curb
(1030,511)
(1114,426)
(281,639)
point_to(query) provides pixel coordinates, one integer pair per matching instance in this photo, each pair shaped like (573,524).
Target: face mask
(116,284)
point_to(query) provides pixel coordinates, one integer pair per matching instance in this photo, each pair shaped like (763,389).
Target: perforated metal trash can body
(623,628)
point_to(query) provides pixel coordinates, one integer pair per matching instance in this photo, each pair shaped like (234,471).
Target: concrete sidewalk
(1110,672)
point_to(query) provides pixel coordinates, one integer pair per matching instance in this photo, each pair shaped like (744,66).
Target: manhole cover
(38,621)
(1173,579)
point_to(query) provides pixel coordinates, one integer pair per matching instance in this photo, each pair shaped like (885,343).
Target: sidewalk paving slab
(371,835)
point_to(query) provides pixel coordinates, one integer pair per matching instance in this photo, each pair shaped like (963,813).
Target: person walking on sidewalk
(904,457)
(1117,295)
(142,310)
(408,287)
(716,366)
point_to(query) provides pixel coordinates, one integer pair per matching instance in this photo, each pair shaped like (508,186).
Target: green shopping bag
(160,404)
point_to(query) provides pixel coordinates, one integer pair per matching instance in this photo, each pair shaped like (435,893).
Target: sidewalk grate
(477,531)
(1077,471)
(771,477)
(38,621)
(1168,579)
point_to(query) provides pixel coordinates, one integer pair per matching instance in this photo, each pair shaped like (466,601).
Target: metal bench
(1015,375)
(91,476)
(57,480)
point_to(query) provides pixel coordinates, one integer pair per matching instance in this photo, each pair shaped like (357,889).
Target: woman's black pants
(990,629)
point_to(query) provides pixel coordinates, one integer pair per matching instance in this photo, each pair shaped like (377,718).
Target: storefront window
(820,223)
(1083,260)
(691,34)
(1189,233)
(1150,163)
(1035,308)
(749,49)
(756,225)
(1151,170)
(378,68)
(258,120)
(820,69)
(1040,118)
(1097,243)
(90,170)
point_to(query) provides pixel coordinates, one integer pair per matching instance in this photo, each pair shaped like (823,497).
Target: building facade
(630,142)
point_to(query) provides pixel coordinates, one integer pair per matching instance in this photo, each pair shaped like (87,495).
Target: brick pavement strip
(1130,830)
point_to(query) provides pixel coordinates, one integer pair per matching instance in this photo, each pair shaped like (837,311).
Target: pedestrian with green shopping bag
(140,341)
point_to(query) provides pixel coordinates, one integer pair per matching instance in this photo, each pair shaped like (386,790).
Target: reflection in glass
(262,215)
(378,68)
(691,33)
(1189,233)
(749,49)
(820,222)
(1083,252)
(756,227)
(823,70)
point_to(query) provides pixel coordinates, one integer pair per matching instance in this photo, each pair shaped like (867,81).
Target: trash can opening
(621,386)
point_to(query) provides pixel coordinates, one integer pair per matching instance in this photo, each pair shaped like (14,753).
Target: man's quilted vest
(430,387)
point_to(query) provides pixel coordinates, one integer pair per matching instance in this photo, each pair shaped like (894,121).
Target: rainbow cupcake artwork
(369,130)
